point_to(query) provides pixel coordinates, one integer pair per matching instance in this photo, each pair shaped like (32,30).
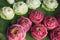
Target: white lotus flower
(50,4)
(11,1)
(33,4)
(20,8)
(7,13)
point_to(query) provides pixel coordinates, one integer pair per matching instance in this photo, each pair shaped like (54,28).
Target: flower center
(38,29)
(14,31)
(51,1)
(51,20)
(57,33)
(20,4)
(24,21)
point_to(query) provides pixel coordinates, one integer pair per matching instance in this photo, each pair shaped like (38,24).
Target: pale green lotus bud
(50,5)
(33,4)
(11,1)
(2,36)
(20,8)
(7,13)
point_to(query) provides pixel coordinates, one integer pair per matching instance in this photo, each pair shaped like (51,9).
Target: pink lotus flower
(25,39)
(55,34)
(39,31)
(50,22)
(16,32)
(58,18)
(36,16)
(25,22)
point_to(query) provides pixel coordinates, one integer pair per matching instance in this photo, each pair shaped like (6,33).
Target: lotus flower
(7,13)
(20,8)
(58,18)
(50,5)
(16,32)
(2,36)
(36,16)
(55,34)
(25,22)
(11,1)
(33,4)
(50,22)
(39,31)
